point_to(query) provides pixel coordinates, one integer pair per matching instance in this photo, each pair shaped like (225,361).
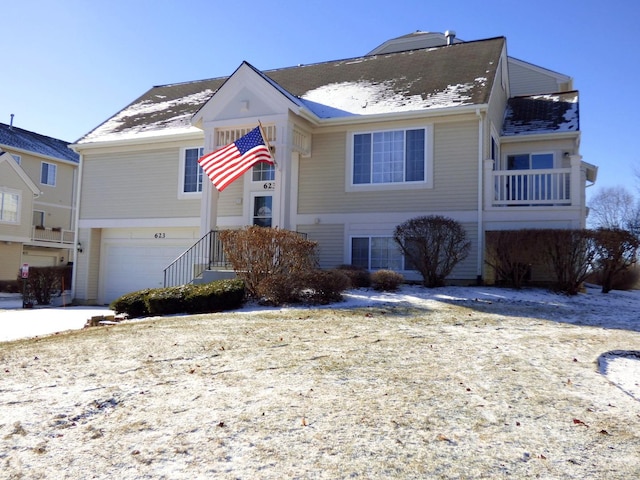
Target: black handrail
(205,254)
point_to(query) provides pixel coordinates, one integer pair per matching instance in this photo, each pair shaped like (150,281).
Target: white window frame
(530,154)
(52,171)
(6,192)
(427,182)
(370,239)
(181,172)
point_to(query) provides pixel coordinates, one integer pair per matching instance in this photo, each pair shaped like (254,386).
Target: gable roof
(455,75)
(8,158)
(537,114)
(11,136)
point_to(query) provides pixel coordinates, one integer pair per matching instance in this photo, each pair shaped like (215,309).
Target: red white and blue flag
(230,162)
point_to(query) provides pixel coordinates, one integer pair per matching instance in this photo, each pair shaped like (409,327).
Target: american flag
(226,164)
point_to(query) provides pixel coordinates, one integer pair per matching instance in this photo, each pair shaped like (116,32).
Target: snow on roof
(366,98)
(536,114)
(148,122)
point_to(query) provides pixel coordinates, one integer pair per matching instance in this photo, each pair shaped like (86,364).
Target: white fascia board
(177,135)
(382,117)
(523,137)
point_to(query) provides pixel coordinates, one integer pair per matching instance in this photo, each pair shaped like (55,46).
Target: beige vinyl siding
(466,270)
(455,146)
(142,184)
(11,260)
(87,266)
(531,81)
(228,204)
(330,240)
(12,183)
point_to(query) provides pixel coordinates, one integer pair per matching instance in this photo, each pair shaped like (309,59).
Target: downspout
(74,271)
(480,259)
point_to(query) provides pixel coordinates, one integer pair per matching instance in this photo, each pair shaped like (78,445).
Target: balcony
(52,237)
(551,187)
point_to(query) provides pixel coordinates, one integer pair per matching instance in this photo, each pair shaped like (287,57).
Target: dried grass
(451,390)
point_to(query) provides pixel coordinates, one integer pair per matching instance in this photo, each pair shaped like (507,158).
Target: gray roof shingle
(459,74)
(537,114)
(11,136)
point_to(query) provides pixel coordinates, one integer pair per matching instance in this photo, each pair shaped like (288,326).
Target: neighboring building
(38,181)
(424,124)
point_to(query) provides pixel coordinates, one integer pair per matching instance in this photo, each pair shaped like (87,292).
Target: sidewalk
(17,322)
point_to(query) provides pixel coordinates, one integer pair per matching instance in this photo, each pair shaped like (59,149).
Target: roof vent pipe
(450,35)
(11,121)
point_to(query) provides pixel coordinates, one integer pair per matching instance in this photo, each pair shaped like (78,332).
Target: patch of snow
(113,129)
(367,98)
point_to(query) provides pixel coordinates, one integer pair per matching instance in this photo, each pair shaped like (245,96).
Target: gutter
(480,259)
(74,271)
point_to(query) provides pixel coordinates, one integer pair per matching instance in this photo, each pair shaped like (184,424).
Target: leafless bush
(617,251)
(359,277)
(433,245)
(386,280)
(510,253)
(570,254)
(269,260)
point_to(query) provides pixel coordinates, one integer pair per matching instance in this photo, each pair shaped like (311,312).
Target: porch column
(577,182)
(209,199)
(488,184)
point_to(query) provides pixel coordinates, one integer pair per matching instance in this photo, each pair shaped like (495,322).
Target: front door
(262,210)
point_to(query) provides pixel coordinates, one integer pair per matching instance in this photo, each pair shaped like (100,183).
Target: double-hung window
(390,157)
(48,174)
(9,204)
(375,253)
(191,170)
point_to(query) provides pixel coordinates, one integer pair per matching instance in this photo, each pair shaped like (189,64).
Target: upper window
(48,174)
(530,161)
(263,172)
(9,203)
(192,172)
(390,157)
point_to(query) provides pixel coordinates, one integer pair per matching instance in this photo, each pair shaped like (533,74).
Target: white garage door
(134,267)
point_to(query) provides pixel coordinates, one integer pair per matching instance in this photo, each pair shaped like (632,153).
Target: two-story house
(38,182)
(424,124)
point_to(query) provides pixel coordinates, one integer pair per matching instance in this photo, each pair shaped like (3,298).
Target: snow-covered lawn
(448,383)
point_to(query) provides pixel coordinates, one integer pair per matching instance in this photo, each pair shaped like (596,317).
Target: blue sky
(71,64)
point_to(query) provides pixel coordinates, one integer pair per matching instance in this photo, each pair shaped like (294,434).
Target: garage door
(129,268)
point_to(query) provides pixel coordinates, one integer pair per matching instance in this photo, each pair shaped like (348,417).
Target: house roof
(14,137)
(537,114)
(429,78)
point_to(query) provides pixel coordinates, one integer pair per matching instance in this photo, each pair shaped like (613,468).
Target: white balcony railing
(534,188)
(53,236)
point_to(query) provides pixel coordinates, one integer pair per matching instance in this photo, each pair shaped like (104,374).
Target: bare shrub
(45,282)
(434,245)
(324,286)
(277,258)
(617,251)
(570,254)
(386,280)
(510,253)
(359,277)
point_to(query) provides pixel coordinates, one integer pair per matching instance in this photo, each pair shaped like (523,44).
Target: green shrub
(132,304)
(166,301)
(216,296)
(358,277)
(211,297)
(386,280)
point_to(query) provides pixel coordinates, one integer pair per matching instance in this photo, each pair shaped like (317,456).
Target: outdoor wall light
(79,247)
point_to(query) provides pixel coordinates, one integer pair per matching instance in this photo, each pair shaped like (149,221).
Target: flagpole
(266,141)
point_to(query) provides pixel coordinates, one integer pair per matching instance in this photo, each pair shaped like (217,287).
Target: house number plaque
(160,235)
(269,186)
